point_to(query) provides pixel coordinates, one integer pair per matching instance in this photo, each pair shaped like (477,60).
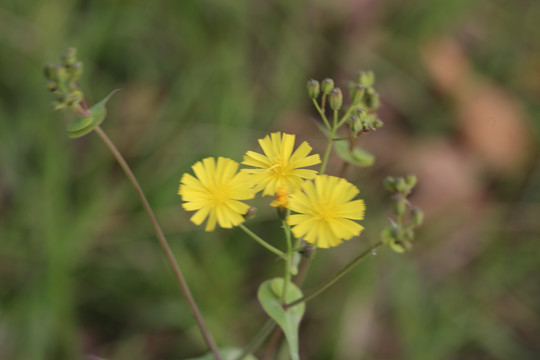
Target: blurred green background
(81,273)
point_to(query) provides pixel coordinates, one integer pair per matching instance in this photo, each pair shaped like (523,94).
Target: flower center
(324,211)
(218,195)
(281,168)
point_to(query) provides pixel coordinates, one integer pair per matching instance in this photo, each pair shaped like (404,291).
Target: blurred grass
(80,270)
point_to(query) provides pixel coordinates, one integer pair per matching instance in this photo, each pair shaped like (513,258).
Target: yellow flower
(325,211)
(279,166)
(215,193)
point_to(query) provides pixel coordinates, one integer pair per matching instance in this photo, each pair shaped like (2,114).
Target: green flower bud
(69,58)
(336,99)
(358,94)
(313,88)
(356,124)
(389,235)
(371,99)
(327,86)
(60,75)
(408,236)
(402,186)
(390,184)
(411,181)
(400,246)
(417,217)
(74,97)
(75,71)
(378,124)
(366,78)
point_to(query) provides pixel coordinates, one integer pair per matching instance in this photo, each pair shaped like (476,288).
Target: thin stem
(254,344)
(255,237)
(338,276)
(327,151)
(346,116)
(321,112)
(163,242)
(287,262)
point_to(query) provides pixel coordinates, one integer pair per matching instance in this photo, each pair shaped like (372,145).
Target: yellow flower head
(215,193)
(326,211)
(279,166)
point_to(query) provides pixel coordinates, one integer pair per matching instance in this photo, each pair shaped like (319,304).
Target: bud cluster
(62,80)
(398,235)
(364,101)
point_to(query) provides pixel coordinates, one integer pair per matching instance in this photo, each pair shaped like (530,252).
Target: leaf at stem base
(269,295)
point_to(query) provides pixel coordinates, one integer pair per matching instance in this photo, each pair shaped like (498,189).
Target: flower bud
(408,236)
(371,99)
(390,184)
(411,181)
(313,88)
(75,71)
(417,217)
(401,186)
(358,94)
(327,86)
(366,78)
(250,214)
(389,235)
(69,58)
(336,99)
(75,97)
(400,246)
(60,75)
(356,124)
(307,251)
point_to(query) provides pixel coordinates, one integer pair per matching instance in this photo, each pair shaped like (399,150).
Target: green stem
(346,116)
(163,242)
(288,261)
(327,151)
(338,276)
(321,112)
(254,236)
(258,339)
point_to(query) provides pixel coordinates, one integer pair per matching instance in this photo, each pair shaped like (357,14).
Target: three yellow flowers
(323,204)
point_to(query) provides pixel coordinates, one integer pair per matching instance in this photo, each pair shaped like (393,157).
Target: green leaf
(82,125)
(269,295)
(357,156)
(226,354)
